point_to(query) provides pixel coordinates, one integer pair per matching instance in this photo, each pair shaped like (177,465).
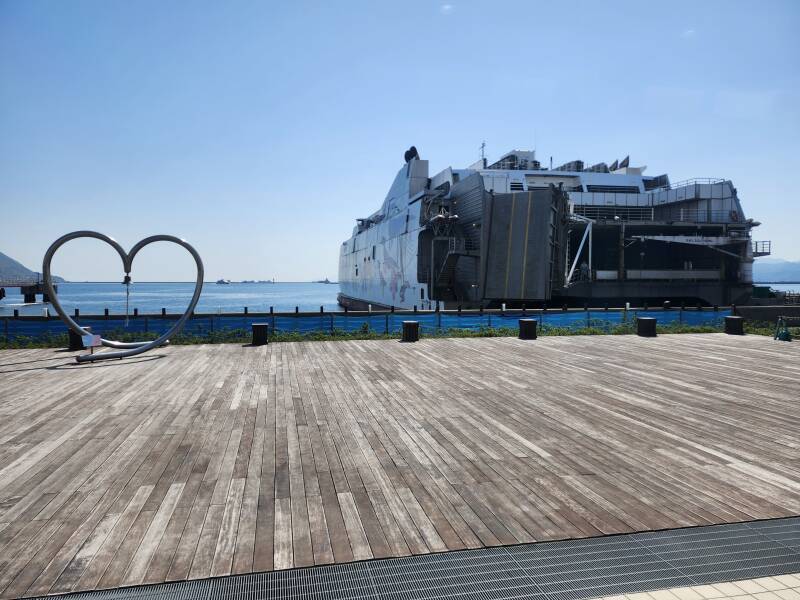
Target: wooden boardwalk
(198,461)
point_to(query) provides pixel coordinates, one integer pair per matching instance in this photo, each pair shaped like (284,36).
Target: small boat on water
(223,281)
(326,280)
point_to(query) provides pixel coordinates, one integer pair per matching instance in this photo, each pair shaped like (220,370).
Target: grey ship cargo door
(518,235)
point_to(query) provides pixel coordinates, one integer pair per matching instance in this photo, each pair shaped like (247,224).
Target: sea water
(150,298)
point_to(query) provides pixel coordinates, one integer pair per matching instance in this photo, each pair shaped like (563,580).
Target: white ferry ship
(516,233)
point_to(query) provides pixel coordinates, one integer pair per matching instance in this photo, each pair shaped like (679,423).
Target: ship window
(356,271)
(422,293)
(373,253)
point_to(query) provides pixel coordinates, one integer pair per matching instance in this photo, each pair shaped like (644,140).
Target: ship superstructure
(515,233)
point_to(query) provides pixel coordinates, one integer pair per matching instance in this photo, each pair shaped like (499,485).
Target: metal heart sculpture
(123,349)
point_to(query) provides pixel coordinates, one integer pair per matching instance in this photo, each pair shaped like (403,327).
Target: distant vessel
(223,281)
(326,280)
(515,233)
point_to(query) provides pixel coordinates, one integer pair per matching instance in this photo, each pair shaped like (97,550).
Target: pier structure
(29,288)
(566,468)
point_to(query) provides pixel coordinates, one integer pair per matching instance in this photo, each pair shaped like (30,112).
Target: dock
(201,461)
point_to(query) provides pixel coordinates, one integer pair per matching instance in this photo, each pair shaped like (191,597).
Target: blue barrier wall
(430,322)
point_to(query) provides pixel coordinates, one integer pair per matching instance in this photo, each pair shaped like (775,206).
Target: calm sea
(149,298)
(93,298)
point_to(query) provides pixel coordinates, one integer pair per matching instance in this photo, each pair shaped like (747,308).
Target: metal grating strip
(559,570)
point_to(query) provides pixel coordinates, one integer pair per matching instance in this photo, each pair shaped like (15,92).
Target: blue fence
(430,322)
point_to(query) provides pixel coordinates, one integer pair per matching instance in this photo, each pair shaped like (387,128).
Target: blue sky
(259,131)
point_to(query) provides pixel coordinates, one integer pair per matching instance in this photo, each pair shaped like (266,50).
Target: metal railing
(462,245)
(762,248)
(615,213)
(693,215)
(656,213)
(688,182)
(17,282)
(30,328)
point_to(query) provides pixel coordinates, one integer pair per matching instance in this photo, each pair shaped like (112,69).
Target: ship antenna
(483,147)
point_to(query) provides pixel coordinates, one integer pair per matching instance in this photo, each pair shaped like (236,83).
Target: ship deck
(200,461)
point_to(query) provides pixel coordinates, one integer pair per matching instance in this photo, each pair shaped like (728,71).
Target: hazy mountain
(11,269)
(775,269)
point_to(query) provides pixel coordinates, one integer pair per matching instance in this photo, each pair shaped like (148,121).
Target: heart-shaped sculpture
(123,348)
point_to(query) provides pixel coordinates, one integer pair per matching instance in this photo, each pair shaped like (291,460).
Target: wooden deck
(198,461)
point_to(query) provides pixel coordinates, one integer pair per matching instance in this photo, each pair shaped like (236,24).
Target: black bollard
(135,312)
(410,331)
(667,305)
(163,312)
(245,310)
(646,326)
(734,325)
(260,334)
(105,311)
(527,329)
(77,313)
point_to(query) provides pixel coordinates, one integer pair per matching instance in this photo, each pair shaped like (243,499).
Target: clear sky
(260,130)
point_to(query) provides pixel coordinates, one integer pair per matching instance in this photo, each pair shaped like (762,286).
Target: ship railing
(656,213)
(462,245)
(688,182)
(694,215)
(762,247)
(615,213)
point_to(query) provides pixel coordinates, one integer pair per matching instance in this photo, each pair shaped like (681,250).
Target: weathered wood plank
(229,459)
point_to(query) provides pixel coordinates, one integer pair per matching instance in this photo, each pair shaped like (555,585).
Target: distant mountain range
(775,269)
(12,269)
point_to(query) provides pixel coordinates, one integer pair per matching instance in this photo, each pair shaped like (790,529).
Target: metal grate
(564,570)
